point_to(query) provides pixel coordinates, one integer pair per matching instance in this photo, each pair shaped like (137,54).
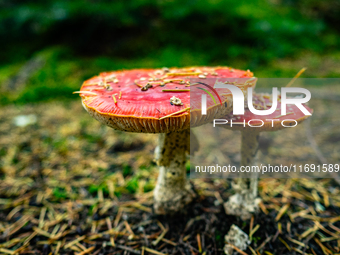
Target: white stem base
(244,202)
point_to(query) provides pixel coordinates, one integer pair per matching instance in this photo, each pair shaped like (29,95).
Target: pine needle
(296,76)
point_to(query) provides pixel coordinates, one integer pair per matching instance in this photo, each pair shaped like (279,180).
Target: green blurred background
(49,47)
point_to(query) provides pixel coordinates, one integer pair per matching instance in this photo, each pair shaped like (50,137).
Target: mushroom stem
(172,191)
(245,202)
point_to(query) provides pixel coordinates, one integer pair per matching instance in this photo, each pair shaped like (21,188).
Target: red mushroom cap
(264,102)
(152,100)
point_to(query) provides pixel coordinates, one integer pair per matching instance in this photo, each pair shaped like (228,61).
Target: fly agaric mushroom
(245,201)
(158,101)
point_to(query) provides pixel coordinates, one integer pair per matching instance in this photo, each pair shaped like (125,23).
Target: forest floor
(69,185)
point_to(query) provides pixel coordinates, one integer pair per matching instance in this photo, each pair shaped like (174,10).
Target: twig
(126,248)
(153,251)
(296,76)
(86,251)
(264,243)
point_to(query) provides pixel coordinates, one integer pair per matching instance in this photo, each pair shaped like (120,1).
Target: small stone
(237,238)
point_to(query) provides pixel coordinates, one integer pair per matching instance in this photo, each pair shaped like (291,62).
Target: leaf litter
(65,190)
